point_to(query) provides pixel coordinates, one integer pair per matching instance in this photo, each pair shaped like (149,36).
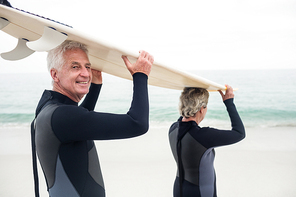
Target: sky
(187,34)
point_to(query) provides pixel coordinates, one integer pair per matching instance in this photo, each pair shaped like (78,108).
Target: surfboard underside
(103,56)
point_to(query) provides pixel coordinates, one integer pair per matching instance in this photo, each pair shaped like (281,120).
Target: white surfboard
(36,33)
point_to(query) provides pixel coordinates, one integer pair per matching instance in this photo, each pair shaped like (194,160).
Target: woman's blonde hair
(191,101)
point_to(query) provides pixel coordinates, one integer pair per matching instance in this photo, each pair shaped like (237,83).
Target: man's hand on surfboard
(96,77)
(143,64)
(228,94)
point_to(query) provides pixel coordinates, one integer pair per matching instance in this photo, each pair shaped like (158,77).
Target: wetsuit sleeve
(91,98)
(211,137)
(72,123)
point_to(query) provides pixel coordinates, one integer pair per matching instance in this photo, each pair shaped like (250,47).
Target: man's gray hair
(55,57)
(192,100)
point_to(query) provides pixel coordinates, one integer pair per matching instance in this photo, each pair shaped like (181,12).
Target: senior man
(64,131)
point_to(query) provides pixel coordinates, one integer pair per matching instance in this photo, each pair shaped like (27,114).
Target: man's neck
(60,90)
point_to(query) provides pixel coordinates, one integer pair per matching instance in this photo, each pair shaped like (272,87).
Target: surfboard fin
(3,22)
(50,39)
(19,52)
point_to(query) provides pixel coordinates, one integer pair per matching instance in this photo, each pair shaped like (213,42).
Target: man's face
(75,76)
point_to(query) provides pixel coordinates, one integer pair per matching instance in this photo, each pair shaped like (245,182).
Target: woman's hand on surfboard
(96,77)
(228,94)
(143,63)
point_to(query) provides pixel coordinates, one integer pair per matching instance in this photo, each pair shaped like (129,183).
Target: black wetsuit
(65,134)
(193,150)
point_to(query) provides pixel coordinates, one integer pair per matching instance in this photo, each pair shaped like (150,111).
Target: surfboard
(37,33)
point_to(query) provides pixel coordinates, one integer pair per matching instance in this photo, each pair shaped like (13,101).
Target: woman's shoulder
(174,126)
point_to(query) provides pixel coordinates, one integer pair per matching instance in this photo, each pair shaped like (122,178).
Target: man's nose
(85,72)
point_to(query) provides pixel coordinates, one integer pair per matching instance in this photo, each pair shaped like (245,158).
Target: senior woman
(193,146)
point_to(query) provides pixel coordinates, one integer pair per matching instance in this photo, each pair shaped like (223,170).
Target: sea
(264,98)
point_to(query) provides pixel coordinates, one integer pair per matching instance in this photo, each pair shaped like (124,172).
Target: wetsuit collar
(62,98)
(46,96)
(54,96)
(191,122)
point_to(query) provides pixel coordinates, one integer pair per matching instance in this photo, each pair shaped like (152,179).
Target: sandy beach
(261,165)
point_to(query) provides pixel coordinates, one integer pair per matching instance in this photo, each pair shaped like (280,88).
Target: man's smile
(82,82)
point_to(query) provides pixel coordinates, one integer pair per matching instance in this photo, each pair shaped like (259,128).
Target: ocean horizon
(265,98)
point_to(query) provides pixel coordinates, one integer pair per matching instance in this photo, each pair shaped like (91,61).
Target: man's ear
(54,75)
(202,110)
